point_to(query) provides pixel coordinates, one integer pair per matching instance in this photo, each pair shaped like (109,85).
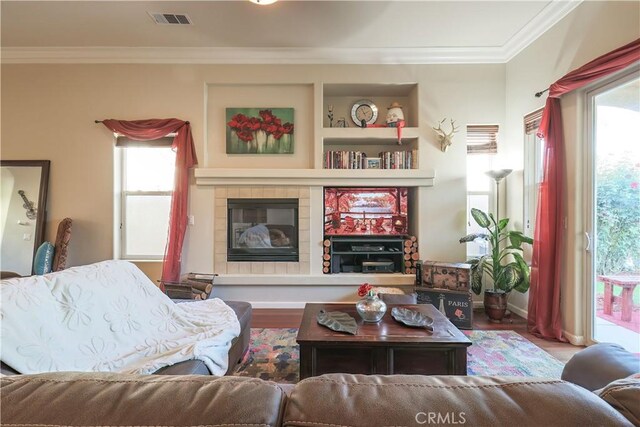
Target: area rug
(274,356)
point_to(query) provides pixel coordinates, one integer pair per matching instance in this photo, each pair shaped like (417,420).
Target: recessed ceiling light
(263,2)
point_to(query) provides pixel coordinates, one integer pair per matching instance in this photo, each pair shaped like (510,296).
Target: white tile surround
(223,267)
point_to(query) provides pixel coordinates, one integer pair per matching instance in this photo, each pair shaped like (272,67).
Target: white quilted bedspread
(108,317)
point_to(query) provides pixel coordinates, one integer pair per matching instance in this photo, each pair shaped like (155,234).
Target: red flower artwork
(261,133)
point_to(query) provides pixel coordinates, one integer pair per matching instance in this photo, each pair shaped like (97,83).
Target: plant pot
(495,305)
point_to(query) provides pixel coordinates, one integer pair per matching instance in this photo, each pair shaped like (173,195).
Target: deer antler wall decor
(446,139)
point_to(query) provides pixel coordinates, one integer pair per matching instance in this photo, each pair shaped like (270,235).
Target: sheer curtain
(544,317)
(148,130)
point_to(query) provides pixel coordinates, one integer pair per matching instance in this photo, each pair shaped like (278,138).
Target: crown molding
(194,55)
(542,22)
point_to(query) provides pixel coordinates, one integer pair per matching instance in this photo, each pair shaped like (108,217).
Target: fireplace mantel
(316,177)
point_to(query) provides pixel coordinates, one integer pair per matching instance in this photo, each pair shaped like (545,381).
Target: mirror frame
(41,218)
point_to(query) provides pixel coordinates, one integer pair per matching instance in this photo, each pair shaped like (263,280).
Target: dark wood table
(387,347)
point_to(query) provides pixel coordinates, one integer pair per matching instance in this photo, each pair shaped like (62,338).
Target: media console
(365,254)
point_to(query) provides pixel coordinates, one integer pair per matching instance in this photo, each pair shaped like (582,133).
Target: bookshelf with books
(347,145)
(341,159)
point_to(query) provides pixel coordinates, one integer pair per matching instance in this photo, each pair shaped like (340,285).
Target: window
(146,185)
(533,157)
(482,146)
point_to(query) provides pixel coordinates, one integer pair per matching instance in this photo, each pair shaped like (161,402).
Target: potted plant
(504,267)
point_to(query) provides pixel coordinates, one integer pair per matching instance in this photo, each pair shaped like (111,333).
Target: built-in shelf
(368,135)
(317,177)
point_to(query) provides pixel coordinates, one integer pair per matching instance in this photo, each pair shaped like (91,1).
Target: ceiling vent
(171,19)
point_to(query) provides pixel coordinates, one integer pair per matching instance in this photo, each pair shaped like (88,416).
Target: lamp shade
(499,174)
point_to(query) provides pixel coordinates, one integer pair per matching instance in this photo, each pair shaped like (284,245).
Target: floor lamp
(498,175)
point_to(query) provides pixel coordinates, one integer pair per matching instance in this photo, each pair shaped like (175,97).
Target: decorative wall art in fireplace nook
(365,211)
(259,130)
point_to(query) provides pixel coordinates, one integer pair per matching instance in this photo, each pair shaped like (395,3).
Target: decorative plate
(338,321)
(412,318)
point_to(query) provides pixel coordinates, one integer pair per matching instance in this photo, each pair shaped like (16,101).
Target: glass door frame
(589,209)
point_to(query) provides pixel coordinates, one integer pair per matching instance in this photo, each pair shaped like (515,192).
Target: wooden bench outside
(628,284)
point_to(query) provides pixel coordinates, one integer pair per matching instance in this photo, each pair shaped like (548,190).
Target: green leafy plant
(504,265)
(618,210)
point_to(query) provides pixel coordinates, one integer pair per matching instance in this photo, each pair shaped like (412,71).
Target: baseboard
(517,310)
(575,339)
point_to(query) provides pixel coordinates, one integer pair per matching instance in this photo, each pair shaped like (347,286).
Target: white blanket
(108,317)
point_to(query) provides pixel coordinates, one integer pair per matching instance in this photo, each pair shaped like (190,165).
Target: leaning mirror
(23,201)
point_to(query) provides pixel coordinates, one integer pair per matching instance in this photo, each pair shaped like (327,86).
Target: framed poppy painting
(259,130)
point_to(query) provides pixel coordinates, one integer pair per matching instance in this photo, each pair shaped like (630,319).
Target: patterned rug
(274,356)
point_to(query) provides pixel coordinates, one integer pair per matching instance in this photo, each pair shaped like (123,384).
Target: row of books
(345,160)
(399,159)
(359,160)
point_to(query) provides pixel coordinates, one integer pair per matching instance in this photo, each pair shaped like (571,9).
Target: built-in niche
(366,230)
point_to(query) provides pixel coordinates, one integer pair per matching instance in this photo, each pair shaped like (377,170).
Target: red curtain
(544,317)
(147,130)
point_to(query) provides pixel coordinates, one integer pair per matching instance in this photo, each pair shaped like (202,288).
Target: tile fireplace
(239,193)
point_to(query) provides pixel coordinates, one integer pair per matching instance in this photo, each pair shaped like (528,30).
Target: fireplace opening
(262,230)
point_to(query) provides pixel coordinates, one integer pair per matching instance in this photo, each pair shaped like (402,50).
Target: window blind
(165,141)
(482,139)
(532,121)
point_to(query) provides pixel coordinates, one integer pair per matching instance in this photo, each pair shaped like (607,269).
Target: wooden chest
(441,275)
(456,306)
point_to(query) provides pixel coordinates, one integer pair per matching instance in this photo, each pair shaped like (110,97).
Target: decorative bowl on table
(412,318)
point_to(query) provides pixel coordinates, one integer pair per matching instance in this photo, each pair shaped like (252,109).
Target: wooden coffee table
(387,347)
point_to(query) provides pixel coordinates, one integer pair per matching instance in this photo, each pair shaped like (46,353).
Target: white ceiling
(294,28)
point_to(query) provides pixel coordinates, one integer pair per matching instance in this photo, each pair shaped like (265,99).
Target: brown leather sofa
(331,400)
(239,346)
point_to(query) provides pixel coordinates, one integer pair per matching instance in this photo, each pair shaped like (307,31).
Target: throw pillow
(62,241)
(44,259)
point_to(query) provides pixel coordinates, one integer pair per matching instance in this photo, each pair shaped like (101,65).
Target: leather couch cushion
(99,399)
(243,311)
(359,400)
(624,396)
(7,370)
(188,367)
(600,364)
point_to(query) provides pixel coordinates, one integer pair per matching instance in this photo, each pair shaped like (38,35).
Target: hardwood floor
(290,318)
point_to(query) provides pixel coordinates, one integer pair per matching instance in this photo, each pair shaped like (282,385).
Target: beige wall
(592,29)
(48,113)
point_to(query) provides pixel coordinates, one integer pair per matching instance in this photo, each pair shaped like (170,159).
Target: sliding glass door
(613,212)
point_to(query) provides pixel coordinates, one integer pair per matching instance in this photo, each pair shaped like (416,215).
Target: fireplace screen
(262,230)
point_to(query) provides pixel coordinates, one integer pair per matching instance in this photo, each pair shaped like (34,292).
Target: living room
(70,68)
